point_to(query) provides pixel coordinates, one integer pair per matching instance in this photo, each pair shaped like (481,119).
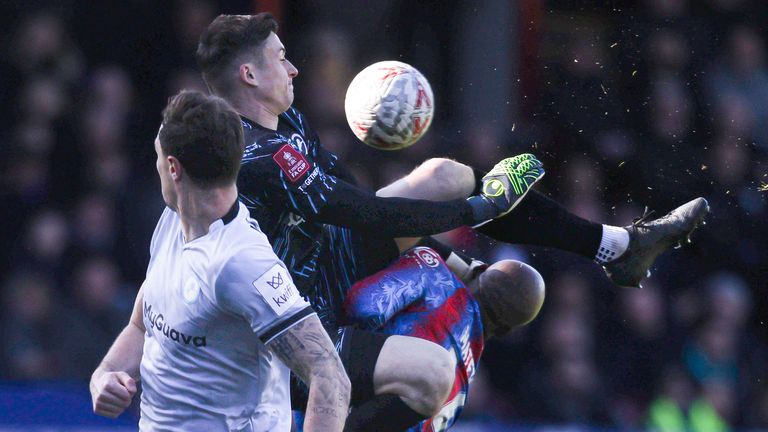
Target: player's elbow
(333,377)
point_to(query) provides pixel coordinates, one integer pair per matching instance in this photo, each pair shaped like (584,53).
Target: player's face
(274,75)
(164,171)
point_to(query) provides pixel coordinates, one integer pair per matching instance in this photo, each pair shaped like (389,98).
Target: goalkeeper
(331,233)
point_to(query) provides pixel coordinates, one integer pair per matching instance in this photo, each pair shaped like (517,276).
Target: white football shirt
(210,306)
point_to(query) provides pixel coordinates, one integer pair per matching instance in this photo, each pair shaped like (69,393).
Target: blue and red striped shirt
(419,296)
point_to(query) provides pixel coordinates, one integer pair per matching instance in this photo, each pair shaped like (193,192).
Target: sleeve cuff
(276,330)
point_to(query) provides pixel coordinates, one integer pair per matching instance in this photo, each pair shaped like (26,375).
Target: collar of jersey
(219,223)
(253,125)
(248,122)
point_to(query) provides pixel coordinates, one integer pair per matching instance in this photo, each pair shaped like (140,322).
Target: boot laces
(642,221)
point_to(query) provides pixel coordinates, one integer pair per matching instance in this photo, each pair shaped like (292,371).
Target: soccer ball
(389,105)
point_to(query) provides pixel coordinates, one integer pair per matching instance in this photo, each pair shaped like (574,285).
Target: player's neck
(257,113)
(198,209)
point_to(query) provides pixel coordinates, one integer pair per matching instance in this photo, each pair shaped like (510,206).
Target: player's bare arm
(113,383)
(309,352)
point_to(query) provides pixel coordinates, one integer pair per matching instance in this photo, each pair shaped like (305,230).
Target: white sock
(613,244)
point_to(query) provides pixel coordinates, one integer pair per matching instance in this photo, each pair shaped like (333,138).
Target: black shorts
(358,350)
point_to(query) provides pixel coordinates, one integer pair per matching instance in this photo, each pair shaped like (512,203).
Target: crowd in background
(635,104)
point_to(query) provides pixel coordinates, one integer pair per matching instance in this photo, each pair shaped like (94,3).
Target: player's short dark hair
(227,39)
(206,135)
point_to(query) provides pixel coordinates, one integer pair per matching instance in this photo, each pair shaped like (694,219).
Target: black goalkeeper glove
(505,186)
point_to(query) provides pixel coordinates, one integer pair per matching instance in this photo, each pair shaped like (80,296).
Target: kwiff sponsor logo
(283,298)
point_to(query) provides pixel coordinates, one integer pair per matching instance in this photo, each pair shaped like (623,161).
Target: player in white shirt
(218,321)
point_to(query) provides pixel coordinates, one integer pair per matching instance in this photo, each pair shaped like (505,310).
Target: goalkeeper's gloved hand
(505,186)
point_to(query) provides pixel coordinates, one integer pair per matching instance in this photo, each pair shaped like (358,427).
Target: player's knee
(435,381)
(419,371)
(455,177)
(510,294)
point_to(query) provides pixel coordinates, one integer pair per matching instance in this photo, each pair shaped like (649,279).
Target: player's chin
(287,103)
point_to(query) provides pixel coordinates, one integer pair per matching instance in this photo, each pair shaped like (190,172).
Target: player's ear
(247,74)
(174,168)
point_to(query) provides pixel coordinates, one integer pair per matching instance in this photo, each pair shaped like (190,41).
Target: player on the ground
(218,321)
(331,233)
(419,296)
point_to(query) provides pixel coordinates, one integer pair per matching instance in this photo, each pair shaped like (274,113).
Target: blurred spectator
(100,296)
(759,412)
(95,228)
(713,352)
(483,402)
(190,18)
(668,52)
(563,384)
(44,245)
(570,391)
(26,177)
(666,9)
(583,188)
(43,338)
(43,99)
(570,292)
(678,407)
(721,395)
(647,343)
(41,46)
(188,79)
(744,73)
(110,89)
(35,136)
(581,98)
(671,172)
(728,299)
(330,71)
(26,323)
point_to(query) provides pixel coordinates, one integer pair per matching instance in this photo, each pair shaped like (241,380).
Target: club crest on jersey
(291,162)
(428,257)
(299,143)
(190,291)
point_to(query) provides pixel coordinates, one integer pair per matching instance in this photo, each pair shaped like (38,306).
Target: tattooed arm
(308,351)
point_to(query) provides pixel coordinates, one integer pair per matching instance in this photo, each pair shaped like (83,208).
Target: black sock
(540,221)
(386,412)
